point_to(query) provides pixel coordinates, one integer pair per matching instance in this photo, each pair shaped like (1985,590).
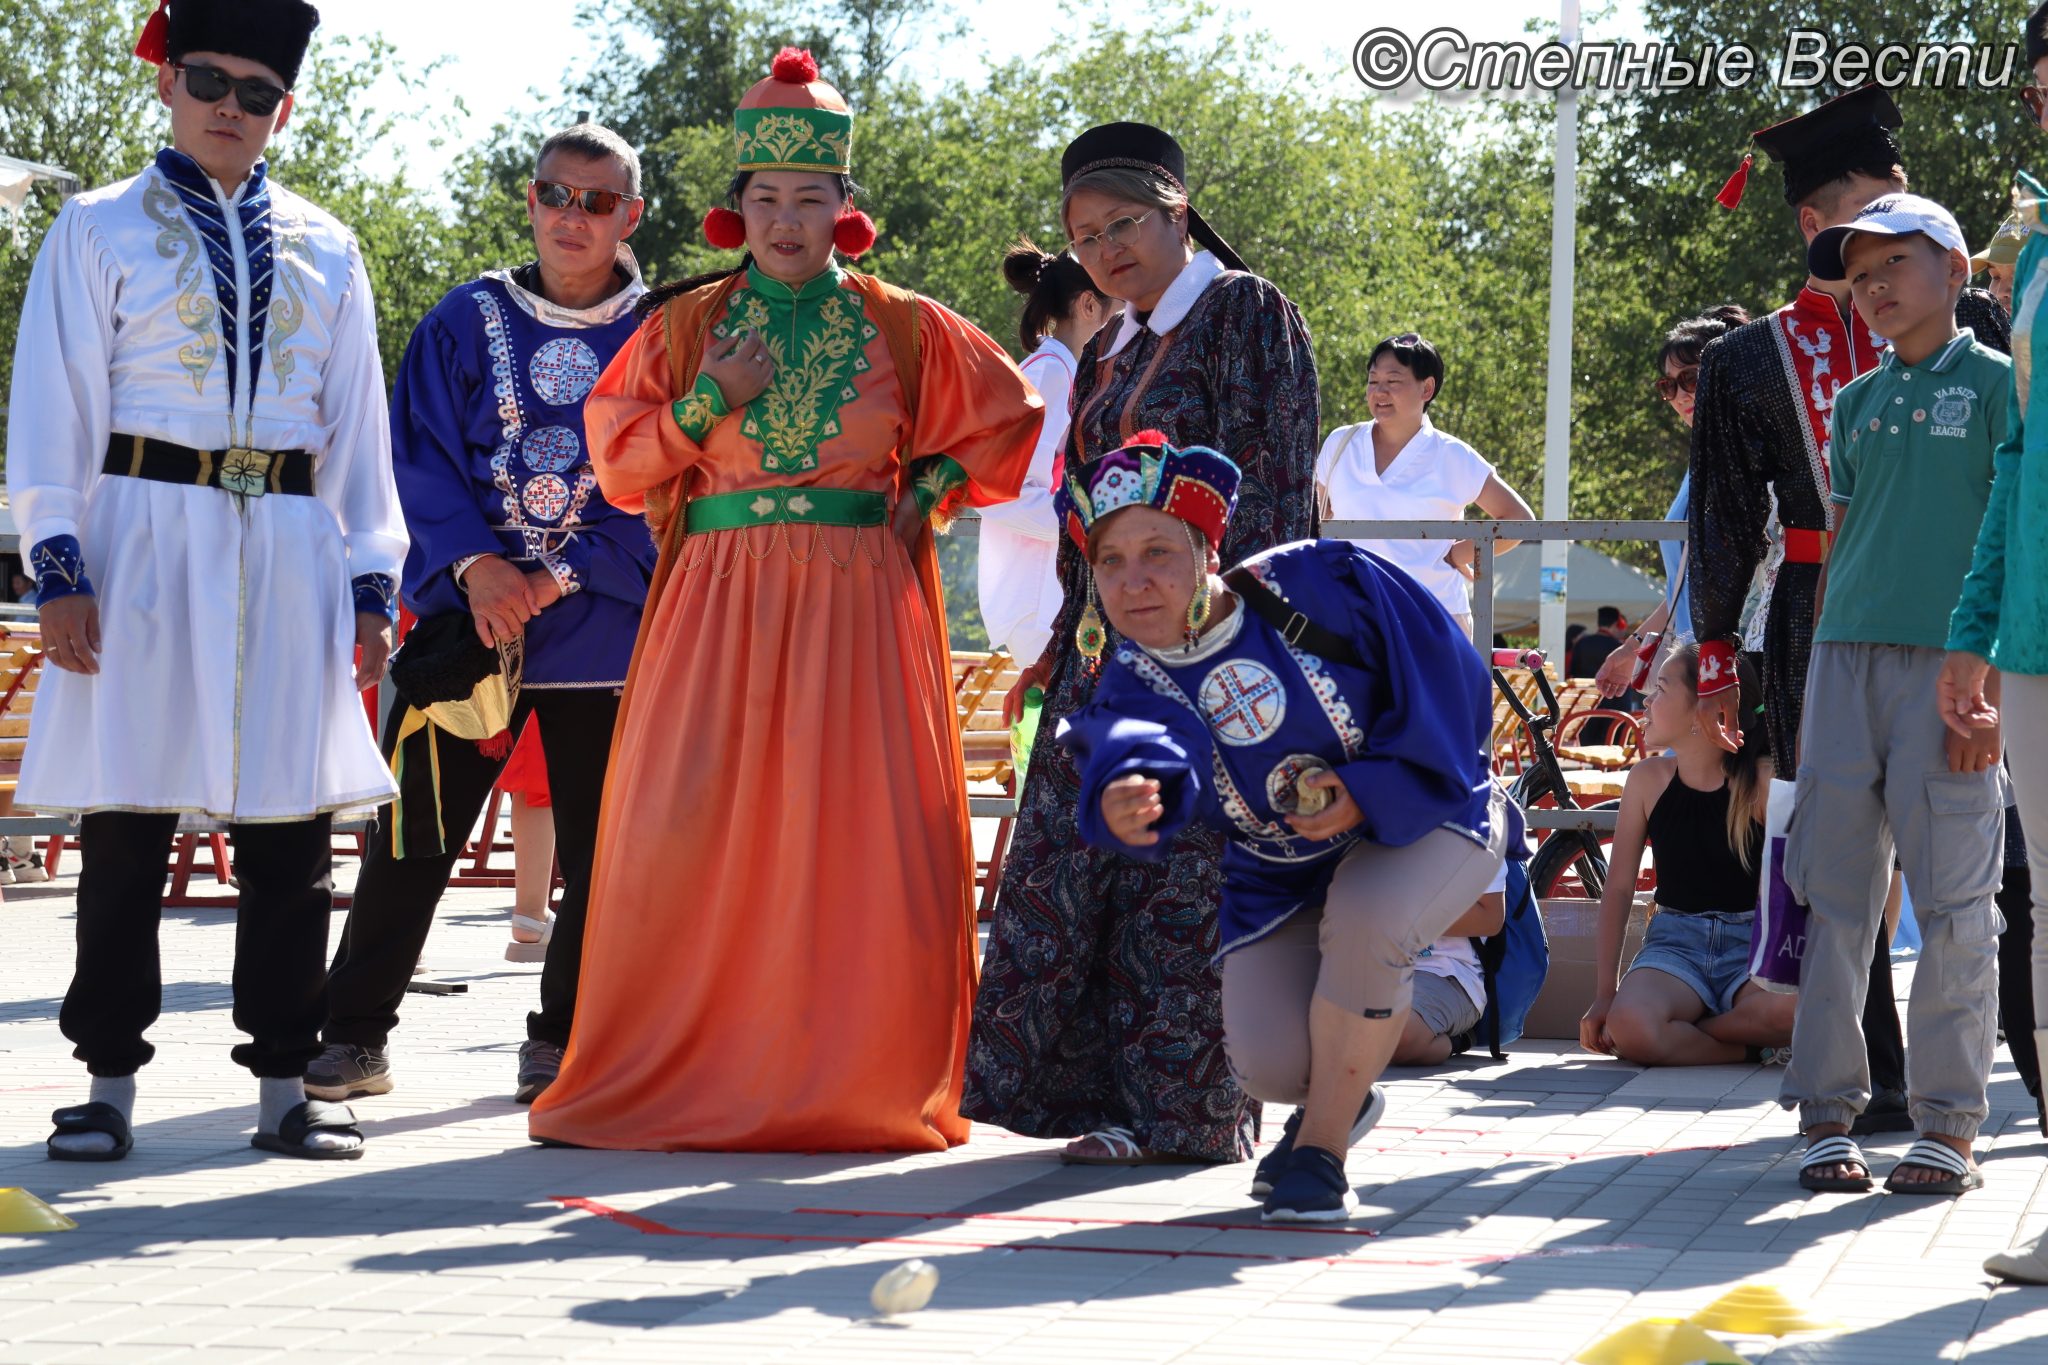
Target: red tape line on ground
(1093,1222)
(652,1228)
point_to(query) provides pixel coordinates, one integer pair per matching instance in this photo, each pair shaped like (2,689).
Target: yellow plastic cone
(1660,1341)
(21,1213)
(1758,1310)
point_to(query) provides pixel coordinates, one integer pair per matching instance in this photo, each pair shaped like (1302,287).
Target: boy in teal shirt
(1910,455)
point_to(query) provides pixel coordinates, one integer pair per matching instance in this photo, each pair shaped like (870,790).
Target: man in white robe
(199,459)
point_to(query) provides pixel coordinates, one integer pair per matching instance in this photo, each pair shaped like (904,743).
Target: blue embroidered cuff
(376,595)
(59,567)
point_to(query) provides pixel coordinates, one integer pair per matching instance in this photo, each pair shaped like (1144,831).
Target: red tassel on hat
(154,46)
(794,66)
(1731,193)
(1148,437)
(854,233)
(725,229)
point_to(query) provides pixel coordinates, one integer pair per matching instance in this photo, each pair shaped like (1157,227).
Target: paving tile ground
(1516,1212)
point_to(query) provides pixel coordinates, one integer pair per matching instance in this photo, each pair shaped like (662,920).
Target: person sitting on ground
(1687,999)
(1450,984)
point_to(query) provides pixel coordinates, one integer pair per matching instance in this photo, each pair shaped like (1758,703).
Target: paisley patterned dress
(1099,1002)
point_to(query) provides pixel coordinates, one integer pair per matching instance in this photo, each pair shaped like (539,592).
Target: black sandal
(97,1117)
(302,1121)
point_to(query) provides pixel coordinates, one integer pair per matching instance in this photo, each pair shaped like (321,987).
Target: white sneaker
(29,869)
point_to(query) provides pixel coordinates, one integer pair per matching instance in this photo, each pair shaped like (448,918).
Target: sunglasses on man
(211,85)
(1687,380)
(551,194)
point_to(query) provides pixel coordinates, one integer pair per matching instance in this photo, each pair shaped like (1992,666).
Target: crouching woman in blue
(1344,760)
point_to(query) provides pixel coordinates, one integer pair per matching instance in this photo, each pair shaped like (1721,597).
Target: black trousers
(2016,974)
(287,891)
(1884,1042)
(395,899)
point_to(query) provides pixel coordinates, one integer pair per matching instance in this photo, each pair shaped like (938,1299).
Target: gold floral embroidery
(197,309)
(696,414)
(801,405)
(292,258)
(793,138)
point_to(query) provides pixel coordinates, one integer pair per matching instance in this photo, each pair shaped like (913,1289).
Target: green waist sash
(767,506)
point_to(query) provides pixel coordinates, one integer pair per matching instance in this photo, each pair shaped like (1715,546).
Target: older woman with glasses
(1099,1017)
(1397,466)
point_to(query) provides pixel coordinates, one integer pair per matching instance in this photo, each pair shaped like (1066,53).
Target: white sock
(118,1091)
(279,1096)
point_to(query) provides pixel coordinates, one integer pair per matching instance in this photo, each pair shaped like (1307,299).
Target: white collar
(541,310)
(1050,345)
(1215,642)
(1180,297)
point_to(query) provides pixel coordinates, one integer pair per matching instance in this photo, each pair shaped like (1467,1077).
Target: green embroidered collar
(816,287)
(818,335)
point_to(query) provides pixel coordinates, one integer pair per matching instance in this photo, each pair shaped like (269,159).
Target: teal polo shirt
(1909,458)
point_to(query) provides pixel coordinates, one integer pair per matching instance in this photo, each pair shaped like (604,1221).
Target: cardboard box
(1568,989)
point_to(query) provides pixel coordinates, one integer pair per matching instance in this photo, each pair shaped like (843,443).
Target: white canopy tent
(1597,581)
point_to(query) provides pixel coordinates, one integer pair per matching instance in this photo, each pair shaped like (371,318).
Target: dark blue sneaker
(1275,1161)
(1311,1188)
(1269,1169)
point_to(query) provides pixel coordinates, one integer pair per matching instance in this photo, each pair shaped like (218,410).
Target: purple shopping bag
(1777,938)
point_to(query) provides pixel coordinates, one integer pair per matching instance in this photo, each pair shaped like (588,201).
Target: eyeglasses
(1669,386)
(1122,232)
(2035,97)
(598,203)
(210,85)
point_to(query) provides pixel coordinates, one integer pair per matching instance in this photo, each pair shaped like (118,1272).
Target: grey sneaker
(539,1064)
(347,1070)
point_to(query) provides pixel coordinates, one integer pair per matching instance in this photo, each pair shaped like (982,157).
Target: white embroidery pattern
(510,421)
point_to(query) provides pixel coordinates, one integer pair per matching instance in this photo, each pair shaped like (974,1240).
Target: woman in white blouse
(1399,467)
(1020,585)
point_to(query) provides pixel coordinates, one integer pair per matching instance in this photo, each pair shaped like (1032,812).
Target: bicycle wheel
(1569,865)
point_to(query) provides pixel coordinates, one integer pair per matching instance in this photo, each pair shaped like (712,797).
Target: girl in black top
(1687,999)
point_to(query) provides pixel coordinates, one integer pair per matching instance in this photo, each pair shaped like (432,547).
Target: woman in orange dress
(781,952)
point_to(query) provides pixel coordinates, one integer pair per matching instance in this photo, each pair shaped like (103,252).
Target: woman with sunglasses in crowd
(1397,466)
(1678,365)
(1098,1017)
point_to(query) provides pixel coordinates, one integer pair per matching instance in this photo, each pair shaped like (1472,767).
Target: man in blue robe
(510,530)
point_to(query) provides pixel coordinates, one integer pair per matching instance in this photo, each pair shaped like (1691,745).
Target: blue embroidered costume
(1226,727)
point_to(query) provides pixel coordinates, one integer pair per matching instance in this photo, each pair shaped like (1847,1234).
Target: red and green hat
(1194,483)
(793,121)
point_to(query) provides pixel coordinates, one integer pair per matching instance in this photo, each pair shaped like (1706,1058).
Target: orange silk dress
(780,953)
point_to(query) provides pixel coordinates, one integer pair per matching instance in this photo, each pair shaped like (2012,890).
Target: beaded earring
(1198,605)
(1090,637)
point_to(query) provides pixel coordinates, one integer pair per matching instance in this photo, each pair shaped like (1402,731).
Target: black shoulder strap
(1294,627)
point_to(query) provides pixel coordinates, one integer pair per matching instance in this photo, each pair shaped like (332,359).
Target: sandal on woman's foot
(1115,1147)
(520,950)
(1836,1150)
(302,1121)
(96,1117)
(1959,1174)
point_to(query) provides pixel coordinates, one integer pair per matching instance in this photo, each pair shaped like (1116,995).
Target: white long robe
(225,687)
(1019,557)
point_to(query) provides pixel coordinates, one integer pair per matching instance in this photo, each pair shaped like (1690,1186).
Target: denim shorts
(1709,952)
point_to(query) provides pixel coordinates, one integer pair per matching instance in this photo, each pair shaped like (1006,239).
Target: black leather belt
(250,473)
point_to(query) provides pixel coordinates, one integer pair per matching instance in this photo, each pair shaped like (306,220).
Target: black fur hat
(273,32)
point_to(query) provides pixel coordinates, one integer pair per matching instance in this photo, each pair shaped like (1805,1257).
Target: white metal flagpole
(1557,419)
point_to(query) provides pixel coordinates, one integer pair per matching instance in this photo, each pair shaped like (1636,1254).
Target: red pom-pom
(1148,437)
(154,46)
(854,233)
(725,229)
(794,66)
